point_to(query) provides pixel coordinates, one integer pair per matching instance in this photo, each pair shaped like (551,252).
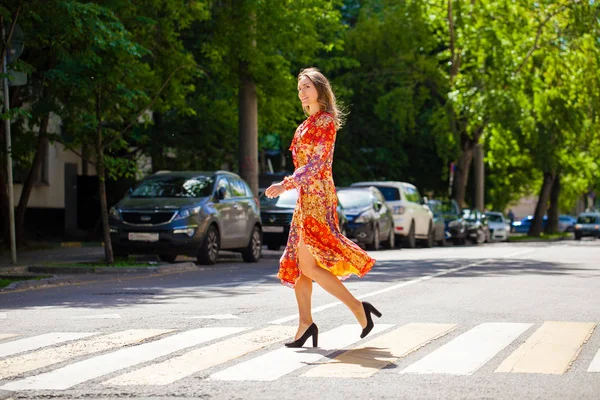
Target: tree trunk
(461,174)
(248,130)
(34,172)
(540,209)
(4,230)
(553,211)
(108,252)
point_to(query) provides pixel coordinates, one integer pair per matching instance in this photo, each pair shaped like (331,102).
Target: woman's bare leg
(303,291)
(329,282)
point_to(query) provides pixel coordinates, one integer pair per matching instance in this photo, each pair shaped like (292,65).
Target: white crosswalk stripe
(42,358)
(62,360)
(37,342)
(470,351)
(282,361)
(96,367)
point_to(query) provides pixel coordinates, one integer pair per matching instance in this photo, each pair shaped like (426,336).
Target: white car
(499,225)
(412,217)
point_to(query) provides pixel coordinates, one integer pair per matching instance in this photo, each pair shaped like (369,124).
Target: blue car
(566,223)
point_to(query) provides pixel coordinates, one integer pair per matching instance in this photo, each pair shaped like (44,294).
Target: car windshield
(286,199)
(355,198)
(174,186)
(587,219)
(468,215)
(494,217)
(389,193)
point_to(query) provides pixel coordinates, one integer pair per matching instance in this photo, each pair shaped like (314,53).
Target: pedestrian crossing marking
(37,342)
(201,359)
(42,358)
(79,372)
(280,362)
(470,351)
(376,354)
(4,336)
(550,349)
(595,365)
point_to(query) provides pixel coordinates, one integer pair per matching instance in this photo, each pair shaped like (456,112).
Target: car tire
(273,246)
(374,245)
(391,242)
(208,253)
(168,258)
(253,251)
(430,237)
(577,237)
(410,240)
(481,238)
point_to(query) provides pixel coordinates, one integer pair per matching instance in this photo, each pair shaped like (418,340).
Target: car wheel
(391,242)
(411,241)
(480,237)
(168,258)
(430,237)
(577,237)
(273,246)
(253,251)
(207,255)
(374,245)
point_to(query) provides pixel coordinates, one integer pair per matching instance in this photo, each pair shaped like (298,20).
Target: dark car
(448,216)
(276,215)
(369,218)
(477,226)
(188,213)
(588,224)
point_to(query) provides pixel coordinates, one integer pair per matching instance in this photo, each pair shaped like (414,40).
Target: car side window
(224,183)
(411,195)
(237,187)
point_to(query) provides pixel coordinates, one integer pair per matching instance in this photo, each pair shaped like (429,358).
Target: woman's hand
(274,190)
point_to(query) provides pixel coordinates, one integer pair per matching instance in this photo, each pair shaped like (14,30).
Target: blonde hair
(326,97)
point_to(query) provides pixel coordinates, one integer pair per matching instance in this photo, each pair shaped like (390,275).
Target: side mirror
(425,200)
(377,206)
(221,193)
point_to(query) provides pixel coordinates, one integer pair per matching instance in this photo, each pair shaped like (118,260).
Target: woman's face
(307,92)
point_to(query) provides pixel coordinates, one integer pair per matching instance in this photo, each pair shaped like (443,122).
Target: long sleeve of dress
(322,140)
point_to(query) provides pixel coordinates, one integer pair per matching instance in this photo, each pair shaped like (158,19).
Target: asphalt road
(499,321)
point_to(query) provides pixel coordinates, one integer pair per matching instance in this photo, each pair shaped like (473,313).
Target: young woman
(316,250)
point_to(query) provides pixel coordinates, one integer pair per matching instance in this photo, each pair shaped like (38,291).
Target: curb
(70,280)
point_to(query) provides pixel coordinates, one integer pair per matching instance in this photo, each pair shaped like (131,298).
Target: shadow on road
(244,281)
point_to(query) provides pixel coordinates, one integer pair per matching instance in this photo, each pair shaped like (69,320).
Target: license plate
(143,237)
(273,229)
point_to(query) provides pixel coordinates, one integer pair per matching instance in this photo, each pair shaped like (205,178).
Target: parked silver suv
(188,213)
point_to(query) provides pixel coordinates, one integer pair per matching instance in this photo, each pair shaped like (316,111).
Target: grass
(4,282)
(543,237)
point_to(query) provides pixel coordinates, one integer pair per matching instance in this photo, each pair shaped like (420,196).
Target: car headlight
(454,223)
(577,226)
(113,212)
(362,218)
(187,212)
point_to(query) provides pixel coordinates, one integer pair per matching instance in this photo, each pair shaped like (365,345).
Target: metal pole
(9,172)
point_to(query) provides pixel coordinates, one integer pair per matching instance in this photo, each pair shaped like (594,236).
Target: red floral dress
(315,217)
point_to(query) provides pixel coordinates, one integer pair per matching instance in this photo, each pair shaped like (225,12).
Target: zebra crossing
(161,357)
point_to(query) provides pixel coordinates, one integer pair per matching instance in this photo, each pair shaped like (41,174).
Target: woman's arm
(322,139)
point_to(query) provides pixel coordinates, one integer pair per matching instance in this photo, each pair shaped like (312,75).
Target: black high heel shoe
(311,331)
(369,309)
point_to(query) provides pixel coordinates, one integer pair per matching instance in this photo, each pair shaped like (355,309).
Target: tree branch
(539,34)
(111,141)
